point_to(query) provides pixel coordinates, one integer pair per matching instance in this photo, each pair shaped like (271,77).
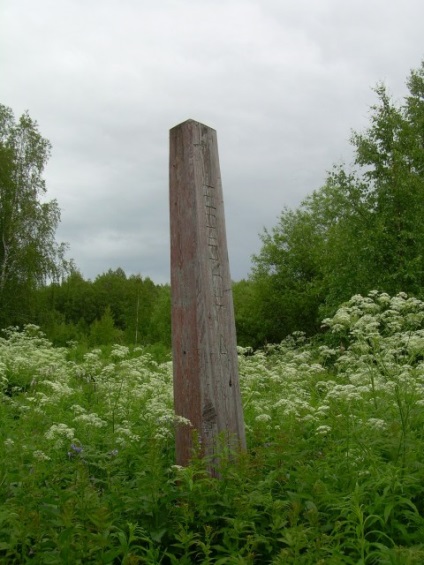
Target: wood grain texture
(206,380)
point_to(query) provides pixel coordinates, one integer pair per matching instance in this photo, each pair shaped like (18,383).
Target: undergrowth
(333,473)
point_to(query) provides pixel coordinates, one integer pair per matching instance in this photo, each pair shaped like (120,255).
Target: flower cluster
(374,378)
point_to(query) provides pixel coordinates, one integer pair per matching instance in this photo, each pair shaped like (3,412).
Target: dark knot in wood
(209,413)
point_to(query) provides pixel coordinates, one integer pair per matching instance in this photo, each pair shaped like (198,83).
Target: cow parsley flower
(91,419)
(59,433)
(40,455)
(323,430)
(119,352)
(263,418)
(376,424)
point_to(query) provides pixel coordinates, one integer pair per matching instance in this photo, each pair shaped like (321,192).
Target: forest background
(362,230)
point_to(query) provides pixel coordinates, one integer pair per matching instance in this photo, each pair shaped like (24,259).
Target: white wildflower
(323,430)
(59,389)
(91,419)
(263,418)
(125,433)
(322,410)
(344,392)
(40,455)
(78,409)
(59,433)
(341,318)
(182,421)
(376,424)
(178,468)
(119,352)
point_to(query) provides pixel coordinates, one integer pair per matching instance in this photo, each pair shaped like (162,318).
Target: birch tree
(29,254)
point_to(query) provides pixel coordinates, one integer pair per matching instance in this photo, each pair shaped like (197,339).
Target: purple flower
(75,450)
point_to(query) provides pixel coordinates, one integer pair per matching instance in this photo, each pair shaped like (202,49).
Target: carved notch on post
(206,381)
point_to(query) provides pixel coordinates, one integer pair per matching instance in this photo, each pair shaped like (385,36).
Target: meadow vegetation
(333,472)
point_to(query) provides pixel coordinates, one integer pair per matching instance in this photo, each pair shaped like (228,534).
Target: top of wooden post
(191,121)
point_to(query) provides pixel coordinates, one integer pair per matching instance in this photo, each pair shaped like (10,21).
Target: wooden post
(206,382)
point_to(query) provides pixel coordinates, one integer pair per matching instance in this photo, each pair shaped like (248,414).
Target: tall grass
(333,473)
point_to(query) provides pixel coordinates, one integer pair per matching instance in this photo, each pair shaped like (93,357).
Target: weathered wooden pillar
(206,382)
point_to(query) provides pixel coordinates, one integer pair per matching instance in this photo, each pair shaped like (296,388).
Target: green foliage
(73,310)
(28,251)
(287,275)
(251,329)
(333,471)
(161,317)
(103,331)
(361,230)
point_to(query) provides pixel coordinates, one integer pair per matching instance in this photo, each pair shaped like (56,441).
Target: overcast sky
(283,82)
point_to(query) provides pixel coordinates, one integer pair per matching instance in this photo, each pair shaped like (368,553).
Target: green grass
(333,473)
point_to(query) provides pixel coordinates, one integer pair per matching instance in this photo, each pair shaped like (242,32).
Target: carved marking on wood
(206,385)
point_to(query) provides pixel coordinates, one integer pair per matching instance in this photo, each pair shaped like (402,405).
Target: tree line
(362,230)
(111,309)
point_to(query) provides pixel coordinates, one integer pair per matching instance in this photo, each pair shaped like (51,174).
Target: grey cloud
(282,82)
